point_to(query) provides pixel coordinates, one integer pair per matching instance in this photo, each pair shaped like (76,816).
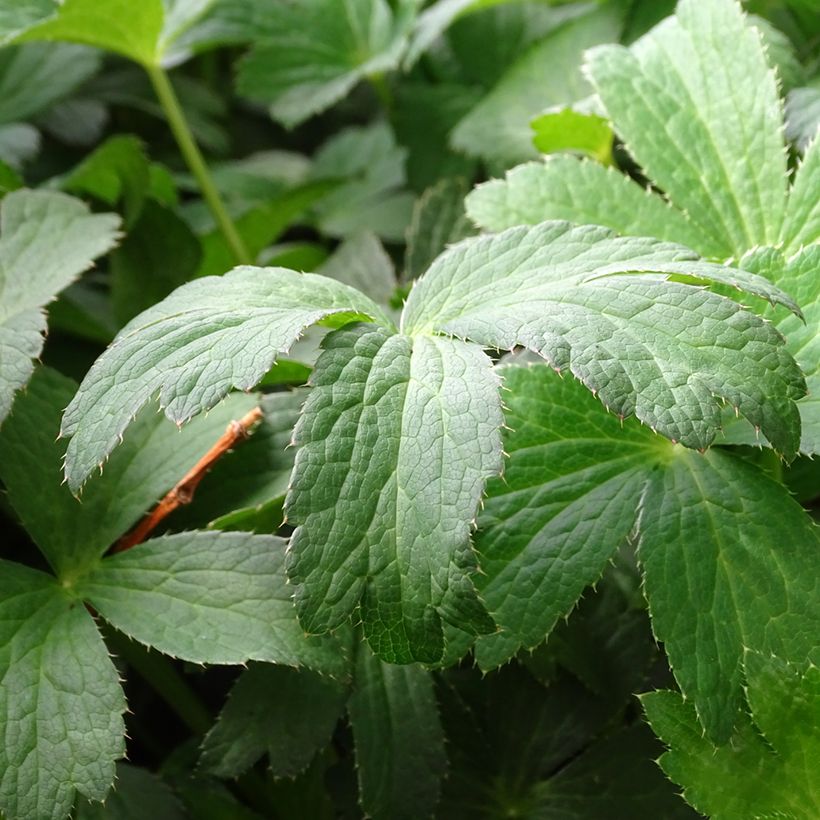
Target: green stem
(160,674)
(382,89)
(193,157)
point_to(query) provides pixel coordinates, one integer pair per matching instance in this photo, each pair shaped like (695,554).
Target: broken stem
(183,491)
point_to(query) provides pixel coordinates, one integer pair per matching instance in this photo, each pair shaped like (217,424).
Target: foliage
(519,448)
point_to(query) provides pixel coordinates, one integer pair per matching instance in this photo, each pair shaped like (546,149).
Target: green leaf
(117,171)
(399,741)
(396,440)
(749,583)
(567,501)
(159,254)
(770,767)
(566,128)
(208,597)
(582,192)
(600,306)
(288,713)
(682,98)
(48,240)
(33,77)
(801,225)
(803,116)
(548,74)
(230,327)
(60,703)
(132,30)
(153,457)
(438,220)
(369,164)
(137,791)
(362,263)
(316,51)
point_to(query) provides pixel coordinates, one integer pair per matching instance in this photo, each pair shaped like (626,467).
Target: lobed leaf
(396,440)
(601,307)
(801,224)
(207,337)
(60,702)
(209,597)
(683,98)
(46,241)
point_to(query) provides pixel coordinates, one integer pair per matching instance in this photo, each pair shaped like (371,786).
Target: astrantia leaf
(583,192)
(569,128)
(48,240)
(209,597)
(601,307)
(801,225)
(60,702)
(315,51)
(396,440)
(682,98)
(193,347)
(577,486)
(770,768)
(399,740)
(153,457)
(803,115)
(288,713)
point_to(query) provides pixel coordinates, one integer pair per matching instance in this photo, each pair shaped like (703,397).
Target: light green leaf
(316,51)
(748,581)
(770,768)
(582,192)
(567,501)
(600,306)
(48,240)
(127,28)
(362,263)
(288,713)
(19,144)
(549,74)
(117,171)
(438,220)
(399,740)
(801,225)
(209,597)
(60,702)
(153,457)
(33,77)
(369,164)
(683,99)
(193,347)
(566,128)
(397,438)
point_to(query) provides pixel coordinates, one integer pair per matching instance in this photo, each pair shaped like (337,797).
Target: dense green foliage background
(527,295)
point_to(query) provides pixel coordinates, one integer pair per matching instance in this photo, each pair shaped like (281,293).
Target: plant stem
(382,89)
(195,161)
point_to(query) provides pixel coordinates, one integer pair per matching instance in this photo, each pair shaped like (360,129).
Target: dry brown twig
(183,491)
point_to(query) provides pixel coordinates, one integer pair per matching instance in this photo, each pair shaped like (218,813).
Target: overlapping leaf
(48,240)
(577,486)
(770,769)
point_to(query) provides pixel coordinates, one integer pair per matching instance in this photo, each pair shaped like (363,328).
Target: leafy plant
(494,485)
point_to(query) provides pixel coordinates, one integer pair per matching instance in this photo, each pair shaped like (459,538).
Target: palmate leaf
(683,99)
(663,351)
(770,768)
(401,428)
(47,241)
(60,701)
(577,485)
